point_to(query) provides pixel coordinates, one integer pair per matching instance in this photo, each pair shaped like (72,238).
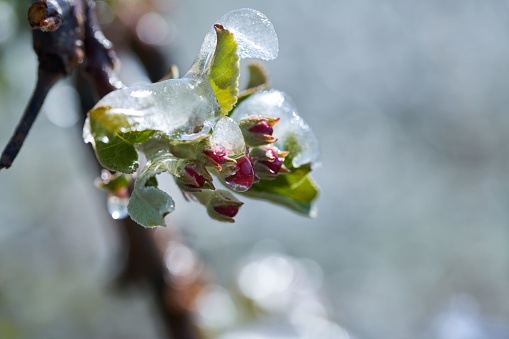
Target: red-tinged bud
(216,156)
(263,127)
(243,177)
(257,130)
(269,162)
(193,176)
(223,206)
(199,179)
(227,211)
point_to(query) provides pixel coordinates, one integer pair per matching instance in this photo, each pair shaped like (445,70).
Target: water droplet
(117,207)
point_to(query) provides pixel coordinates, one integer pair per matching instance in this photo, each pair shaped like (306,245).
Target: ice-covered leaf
(291,130)
(176,107)
(295,190)
(148,205)
(114,144)
(225,70)
(253,32)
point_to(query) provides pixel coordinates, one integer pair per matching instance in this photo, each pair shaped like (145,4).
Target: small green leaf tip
(225,69)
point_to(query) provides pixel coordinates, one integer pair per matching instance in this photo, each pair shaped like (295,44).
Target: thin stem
(45,82)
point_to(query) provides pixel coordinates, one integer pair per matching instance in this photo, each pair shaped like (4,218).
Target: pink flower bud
(227,211)
(221,205)
(243,177)
(193,176)
(258,130)
(269,162)
(216,156)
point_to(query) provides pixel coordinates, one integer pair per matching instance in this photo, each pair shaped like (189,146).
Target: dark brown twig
(45,81)
(58,40)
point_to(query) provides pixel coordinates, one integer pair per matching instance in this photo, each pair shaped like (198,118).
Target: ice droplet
(277,104)
(253,32)
(227,136)
(117,207)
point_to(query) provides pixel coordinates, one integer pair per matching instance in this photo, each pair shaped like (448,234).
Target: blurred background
(409,101)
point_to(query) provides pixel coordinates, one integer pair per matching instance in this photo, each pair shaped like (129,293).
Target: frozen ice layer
(227,136)
(253,32)
(175,107)
(277,104)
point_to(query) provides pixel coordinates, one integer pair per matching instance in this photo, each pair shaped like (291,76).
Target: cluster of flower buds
(203,124)
(260,160)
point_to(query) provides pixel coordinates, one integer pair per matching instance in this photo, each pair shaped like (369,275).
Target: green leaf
(115,150)
(295,190)
(258,81)
(225,69)
(258,75)
(149,205)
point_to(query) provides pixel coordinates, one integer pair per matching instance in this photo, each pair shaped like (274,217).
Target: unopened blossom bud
(268,162)
(193,176)
(257,130)
(243,175)
(200,149)
(223,206)
(215,156)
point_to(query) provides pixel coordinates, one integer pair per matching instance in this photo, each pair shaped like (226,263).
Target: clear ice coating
(277,104)
(253,32)
(226,135)
(117,207)
(177,107)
